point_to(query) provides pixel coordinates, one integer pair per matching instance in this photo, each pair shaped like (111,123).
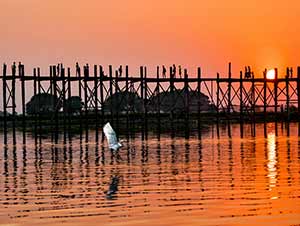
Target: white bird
(111,137)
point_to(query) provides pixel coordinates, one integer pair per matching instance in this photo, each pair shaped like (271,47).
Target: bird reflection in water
(113,187)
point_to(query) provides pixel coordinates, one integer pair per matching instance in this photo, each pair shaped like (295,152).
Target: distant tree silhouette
(124,101)
(42,103)
(73,105)
(175,101)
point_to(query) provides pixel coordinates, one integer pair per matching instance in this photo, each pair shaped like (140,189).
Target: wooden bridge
(243,98)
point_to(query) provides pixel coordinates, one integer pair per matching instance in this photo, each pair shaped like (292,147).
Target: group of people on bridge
(173,71)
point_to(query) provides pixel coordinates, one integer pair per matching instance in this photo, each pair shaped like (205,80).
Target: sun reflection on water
(272,161)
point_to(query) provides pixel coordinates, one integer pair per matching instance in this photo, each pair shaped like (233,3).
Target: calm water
(249,181)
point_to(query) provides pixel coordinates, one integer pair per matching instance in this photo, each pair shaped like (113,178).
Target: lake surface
(212,181)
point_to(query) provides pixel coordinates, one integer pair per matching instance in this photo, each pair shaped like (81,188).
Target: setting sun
(271,74)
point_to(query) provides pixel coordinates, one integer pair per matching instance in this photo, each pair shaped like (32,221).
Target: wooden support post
(13,97)
(186,103)
(218,103)
(276,94)
(118,100)
(158,102)
(265,101)
(241,106)
(4,86)
(229,90)
(39,113)
(298,98)
(63,79)
(111,94)
(86,77)
(51,92)
(145,103)
(102,98)
(13,100)
(78,73)
(199,100)
(69,104)
(127,95)
(287,84)
(96,101)
(172,87)
(253,103)
(265,95)
(229,100)
(56,103)
(132,103)
(22,77)
(143,99)
(37,109)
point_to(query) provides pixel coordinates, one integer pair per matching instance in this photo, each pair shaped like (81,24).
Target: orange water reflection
(249,181)
(272,170)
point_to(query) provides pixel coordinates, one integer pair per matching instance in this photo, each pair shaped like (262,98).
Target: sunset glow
(271,74)
(192,33)
(149,112)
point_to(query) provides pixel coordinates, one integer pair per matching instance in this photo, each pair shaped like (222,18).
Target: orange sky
(189,32)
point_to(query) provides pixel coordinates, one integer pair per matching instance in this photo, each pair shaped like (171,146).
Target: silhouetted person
(179,71)
(13,69)
(174,70)
(58,69)
(265,73)
(185,73)
(164,71)
(78,73)
(120,71)
(86,70)
(20,69)
(289,72)
(61,67)
(101,72)
(249,72)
